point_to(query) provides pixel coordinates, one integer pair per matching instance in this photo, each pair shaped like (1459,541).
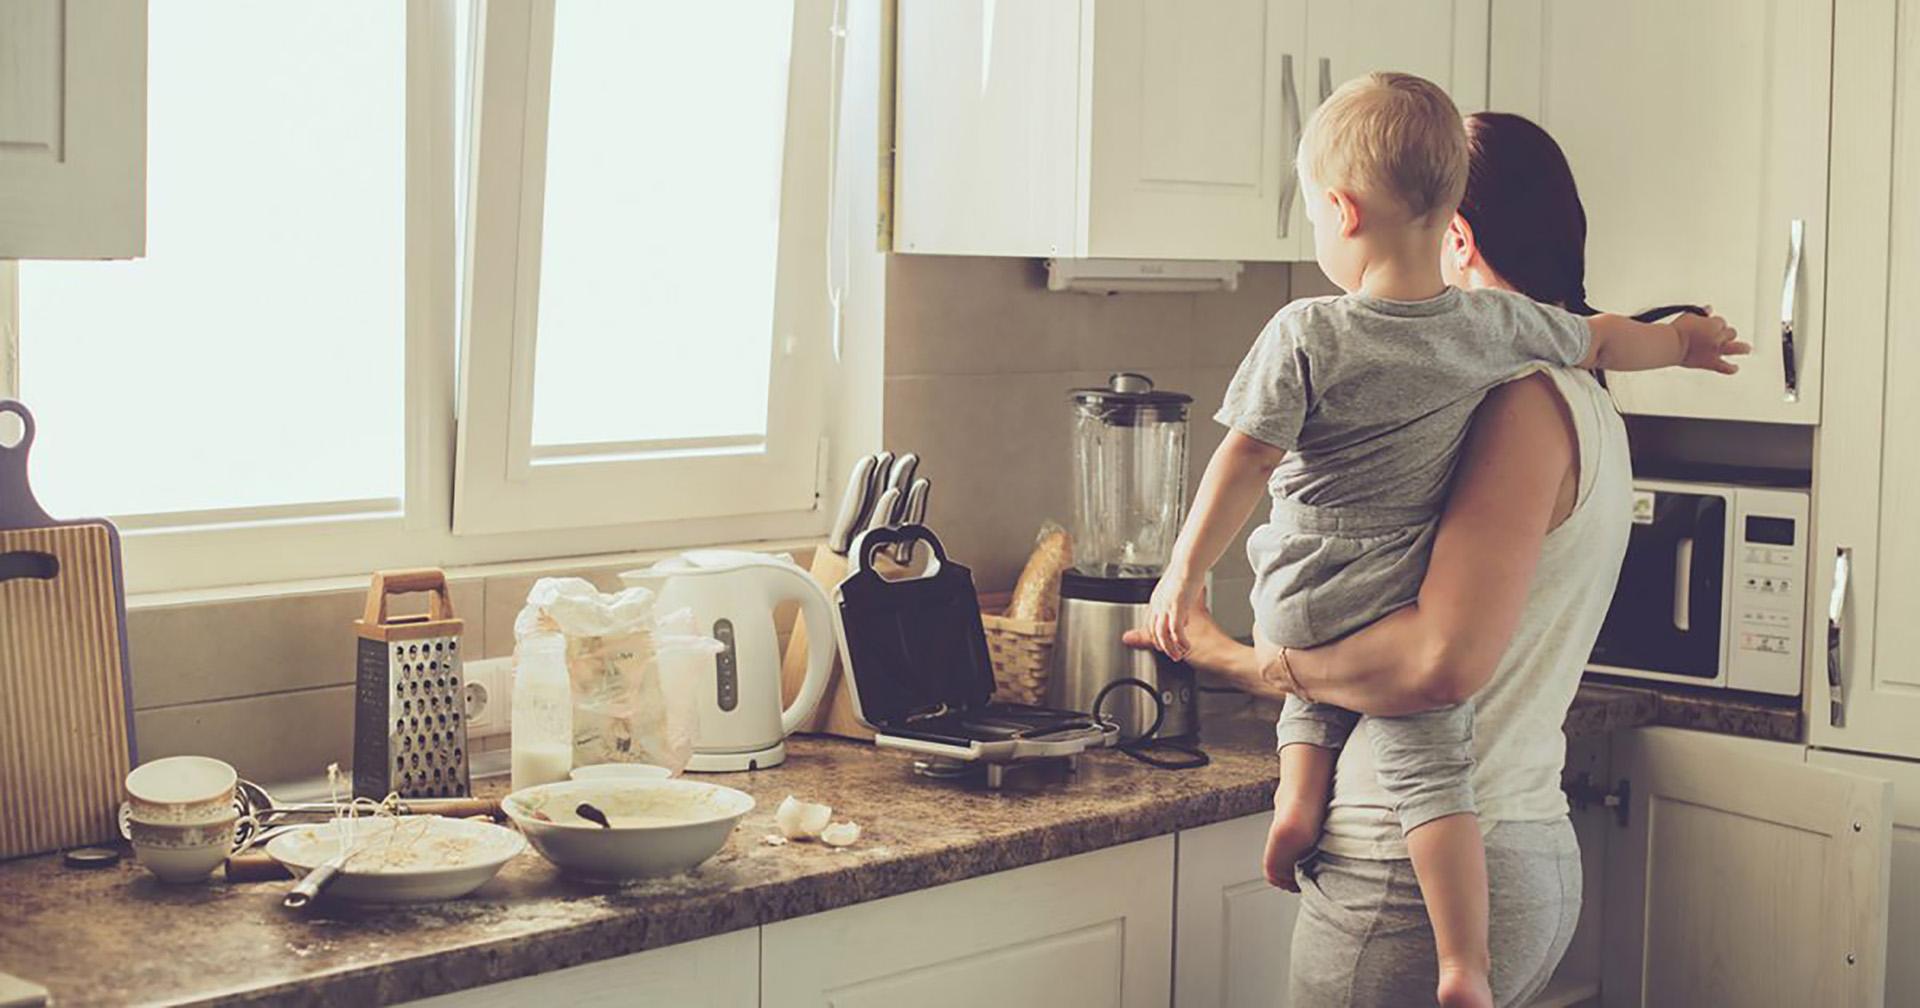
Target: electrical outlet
(489,697)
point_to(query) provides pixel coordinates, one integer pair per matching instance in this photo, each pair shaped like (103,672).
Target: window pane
(255,356)
(664,139)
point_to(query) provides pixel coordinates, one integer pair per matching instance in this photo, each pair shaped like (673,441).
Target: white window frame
(502,483)
(190,555)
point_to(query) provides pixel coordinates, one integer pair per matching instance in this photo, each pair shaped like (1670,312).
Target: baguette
(1036,596)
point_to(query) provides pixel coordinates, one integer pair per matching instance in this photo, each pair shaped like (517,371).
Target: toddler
(1350,411)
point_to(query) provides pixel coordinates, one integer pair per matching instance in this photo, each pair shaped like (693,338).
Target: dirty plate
(405,859)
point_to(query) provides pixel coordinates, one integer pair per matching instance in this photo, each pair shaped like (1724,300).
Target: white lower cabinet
(1232,931)
(1743,877)
(1903,908)
(1091,930)
(717,972)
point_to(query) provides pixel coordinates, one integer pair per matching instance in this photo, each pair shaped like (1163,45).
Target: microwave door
(1666,611)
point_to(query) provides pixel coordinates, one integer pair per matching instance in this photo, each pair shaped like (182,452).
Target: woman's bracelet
(1287,680)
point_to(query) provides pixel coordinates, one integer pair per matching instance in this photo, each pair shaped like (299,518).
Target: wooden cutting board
(66,706)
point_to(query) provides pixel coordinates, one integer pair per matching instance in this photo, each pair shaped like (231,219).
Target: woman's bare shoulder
(1528,421)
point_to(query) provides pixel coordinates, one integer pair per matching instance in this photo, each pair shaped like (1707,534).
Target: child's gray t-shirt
(1371,399)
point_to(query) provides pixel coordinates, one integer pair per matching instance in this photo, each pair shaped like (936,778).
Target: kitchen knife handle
(1790,365)
(913,511)
(1291,126)
(1836,613)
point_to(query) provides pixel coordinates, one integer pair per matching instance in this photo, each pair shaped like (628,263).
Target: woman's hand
(1706,341)
(1175,601)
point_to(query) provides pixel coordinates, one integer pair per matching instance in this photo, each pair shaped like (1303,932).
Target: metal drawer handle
(1290,116)
(1836,610)
(1796,239)
(1326,79)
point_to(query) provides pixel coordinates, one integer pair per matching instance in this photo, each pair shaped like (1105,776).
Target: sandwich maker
(922,677)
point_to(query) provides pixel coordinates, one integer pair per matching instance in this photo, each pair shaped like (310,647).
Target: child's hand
(1289,839)
(1707,341)
(1174,601)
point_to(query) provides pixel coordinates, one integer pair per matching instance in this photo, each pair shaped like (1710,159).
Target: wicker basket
(1022,651)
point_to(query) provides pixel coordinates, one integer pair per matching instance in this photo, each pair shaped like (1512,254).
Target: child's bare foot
(1463,987)
(1296,828)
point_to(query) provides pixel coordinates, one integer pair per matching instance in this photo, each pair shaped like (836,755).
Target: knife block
(835,713)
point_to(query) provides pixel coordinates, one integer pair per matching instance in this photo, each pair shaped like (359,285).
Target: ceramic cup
(182,789)
(184,853)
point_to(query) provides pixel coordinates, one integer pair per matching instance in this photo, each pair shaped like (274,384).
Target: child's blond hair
(1393,135)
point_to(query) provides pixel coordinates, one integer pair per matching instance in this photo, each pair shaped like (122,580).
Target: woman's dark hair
(1526,213)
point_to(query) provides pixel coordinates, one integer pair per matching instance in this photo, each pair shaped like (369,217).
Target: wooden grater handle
(453,808)
(400,582)
(254,867)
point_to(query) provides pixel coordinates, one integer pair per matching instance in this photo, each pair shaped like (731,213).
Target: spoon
(592,815)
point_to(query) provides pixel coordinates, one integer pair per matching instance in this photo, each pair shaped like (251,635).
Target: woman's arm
(1507,494)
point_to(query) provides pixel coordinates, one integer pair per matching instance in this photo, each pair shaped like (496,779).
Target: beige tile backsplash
(979,359)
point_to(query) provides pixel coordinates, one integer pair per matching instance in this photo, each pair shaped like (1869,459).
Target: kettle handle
(793,583)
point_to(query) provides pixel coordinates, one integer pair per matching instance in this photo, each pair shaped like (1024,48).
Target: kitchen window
(448,283)
(647,310)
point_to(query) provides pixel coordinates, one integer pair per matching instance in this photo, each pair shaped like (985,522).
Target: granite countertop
(116,935)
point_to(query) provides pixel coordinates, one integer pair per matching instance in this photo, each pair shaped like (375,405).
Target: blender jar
(1129,476)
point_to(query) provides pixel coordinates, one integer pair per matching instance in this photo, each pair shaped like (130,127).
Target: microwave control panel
(1767,590)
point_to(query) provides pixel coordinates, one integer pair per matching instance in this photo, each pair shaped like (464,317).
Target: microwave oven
(1713,589)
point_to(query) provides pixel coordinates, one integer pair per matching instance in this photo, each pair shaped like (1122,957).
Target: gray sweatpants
(1363,938)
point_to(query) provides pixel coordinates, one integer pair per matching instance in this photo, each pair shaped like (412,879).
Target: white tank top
(1518,747)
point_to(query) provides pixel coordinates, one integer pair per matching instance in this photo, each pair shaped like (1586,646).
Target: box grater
(409,724)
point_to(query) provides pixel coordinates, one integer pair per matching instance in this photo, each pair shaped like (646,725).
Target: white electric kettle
(733,594)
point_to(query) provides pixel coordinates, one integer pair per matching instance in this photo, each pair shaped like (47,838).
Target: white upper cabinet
(1195,112)
(1137,128)
(1864,688)
(1444,41)
(1698,134)
(73,129)
(1744,878)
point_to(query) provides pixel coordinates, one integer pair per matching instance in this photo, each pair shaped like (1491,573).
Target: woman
(1522,571)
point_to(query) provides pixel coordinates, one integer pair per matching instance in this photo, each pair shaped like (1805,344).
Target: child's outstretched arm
(1696,341)
(1234,483)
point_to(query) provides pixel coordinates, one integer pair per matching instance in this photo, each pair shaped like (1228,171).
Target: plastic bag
(635,694)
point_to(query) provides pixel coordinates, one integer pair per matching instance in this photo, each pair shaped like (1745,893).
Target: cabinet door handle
(1836,611)
(1290,118)
(1796,240)
(1326,79)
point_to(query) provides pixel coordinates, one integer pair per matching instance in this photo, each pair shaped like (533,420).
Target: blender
(1129,498)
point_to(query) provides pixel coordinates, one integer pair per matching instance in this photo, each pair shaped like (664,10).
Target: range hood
(1142,276)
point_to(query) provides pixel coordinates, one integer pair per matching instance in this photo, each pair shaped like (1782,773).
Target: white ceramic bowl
(621,771)
(660,827)
(182,853)
(182,789)
(455,857)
